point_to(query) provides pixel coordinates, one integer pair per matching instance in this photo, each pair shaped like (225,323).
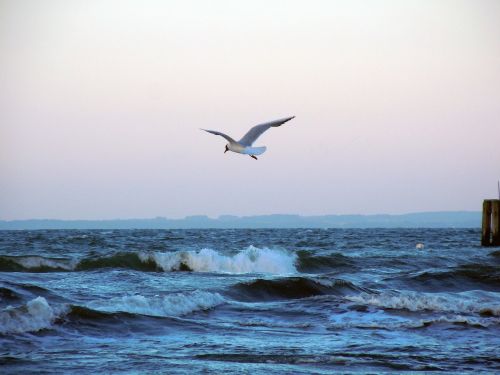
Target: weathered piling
(495,223)
(486,233)
(490,235)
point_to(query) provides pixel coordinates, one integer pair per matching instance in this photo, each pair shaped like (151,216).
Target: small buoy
(420,246)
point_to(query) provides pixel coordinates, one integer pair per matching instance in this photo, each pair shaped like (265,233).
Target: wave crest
(177,304)
(290,288)
(35,263)
(396,323)
(37,314)
(465,277)
(250,260)
(413,301)
(311,262)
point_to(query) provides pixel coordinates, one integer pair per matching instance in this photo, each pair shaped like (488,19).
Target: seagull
(244,145)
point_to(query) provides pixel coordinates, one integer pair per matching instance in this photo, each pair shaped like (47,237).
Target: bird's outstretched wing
(229,139)
(254,133)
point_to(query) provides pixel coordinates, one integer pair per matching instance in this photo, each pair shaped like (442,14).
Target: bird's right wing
(228,138)
(254,133)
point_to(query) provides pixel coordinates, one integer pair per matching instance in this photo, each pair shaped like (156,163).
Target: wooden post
(495,222)
(486,233)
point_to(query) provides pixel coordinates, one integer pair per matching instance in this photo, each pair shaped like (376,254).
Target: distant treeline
(461,219)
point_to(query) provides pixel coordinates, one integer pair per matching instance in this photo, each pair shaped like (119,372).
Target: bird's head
(227,149)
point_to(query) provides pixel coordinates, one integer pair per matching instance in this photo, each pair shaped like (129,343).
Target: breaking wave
(170,305)
(35,263)
(250,260)
(413,301)
(37,314)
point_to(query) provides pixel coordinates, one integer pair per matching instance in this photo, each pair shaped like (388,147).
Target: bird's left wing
(254,133)
(228,138)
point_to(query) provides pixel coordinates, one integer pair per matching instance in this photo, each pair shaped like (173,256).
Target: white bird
(244,145)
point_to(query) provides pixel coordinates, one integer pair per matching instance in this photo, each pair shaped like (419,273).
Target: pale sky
(397,107)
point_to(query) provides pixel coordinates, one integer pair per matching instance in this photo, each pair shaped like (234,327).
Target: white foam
(272,324)
(331,283)
(413,301)
(177,304)
(36,315)
(374,321)
(250,260)
(37,262)
(486,322)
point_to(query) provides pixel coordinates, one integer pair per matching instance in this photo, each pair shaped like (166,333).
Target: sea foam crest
(413,301)
(374,321)
(36,315)
(34,261)
(177,304)
(250,260)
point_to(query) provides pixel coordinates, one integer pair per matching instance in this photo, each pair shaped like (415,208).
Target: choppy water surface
(248,301)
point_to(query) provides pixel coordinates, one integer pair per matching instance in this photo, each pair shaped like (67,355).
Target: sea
(248,301)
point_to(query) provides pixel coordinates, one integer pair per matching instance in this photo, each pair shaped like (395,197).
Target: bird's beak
(226,150)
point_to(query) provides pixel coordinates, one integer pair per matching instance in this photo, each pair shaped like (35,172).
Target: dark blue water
(248,301)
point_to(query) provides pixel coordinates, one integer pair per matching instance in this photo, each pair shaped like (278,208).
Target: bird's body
(244,145)
(246,150)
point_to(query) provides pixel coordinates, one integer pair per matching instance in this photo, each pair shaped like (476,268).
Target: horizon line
(245,216)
